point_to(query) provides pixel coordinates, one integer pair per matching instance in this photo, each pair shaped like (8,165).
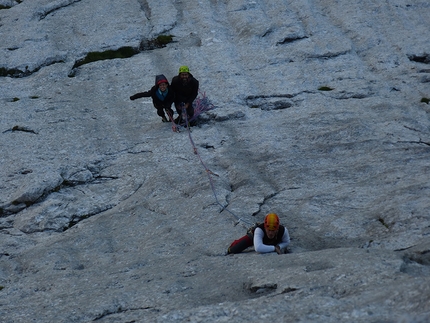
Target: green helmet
(184,69)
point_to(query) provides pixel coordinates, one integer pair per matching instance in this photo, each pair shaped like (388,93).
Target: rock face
(321,114)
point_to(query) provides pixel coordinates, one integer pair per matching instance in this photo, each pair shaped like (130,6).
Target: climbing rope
(209,173)
(174,127)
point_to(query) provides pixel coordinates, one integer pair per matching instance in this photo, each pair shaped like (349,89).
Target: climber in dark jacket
(186,89)
(162,97)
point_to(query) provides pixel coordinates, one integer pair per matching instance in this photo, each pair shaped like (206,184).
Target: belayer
(162,97)
(186,89)
(266,237)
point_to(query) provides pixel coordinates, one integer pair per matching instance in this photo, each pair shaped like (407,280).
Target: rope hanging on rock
(209,173)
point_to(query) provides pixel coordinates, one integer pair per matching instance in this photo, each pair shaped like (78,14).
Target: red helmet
(271,222)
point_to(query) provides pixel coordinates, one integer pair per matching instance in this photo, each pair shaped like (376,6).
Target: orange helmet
(271,222)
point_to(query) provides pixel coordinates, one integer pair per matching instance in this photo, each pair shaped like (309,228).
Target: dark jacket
(185,93)
(166,103)
(276,240)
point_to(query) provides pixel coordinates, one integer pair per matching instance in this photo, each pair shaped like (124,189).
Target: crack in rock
(78,218)
(260,288)
(290,39)
(423,58)
(17,73)
(145,8)
(268,103)
(265,199)
(122,52)
(119,310)
(330,55)
(54,6)
(21,128)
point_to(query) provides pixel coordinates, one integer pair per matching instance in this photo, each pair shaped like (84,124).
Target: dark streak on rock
(20,128)
(50,9)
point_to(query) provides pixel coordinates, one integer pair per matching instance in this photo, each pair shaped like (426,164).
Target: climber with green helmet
(266,237)
(186,89)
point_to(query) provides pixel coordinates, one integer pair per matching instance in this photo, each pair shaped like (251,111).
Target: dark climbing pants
(190,110)
(160,112)
(241,244)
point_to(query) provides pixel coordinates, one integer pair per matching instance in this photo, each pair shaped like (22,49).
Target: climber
(162,97)
(186,89)
(266,237)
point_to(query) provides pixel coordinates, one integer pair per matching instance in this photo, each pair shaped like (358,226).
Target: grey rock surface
(321,115)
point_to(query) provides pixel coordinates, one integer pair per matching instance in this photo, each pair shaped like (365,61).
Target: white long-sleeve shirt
(260,247)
